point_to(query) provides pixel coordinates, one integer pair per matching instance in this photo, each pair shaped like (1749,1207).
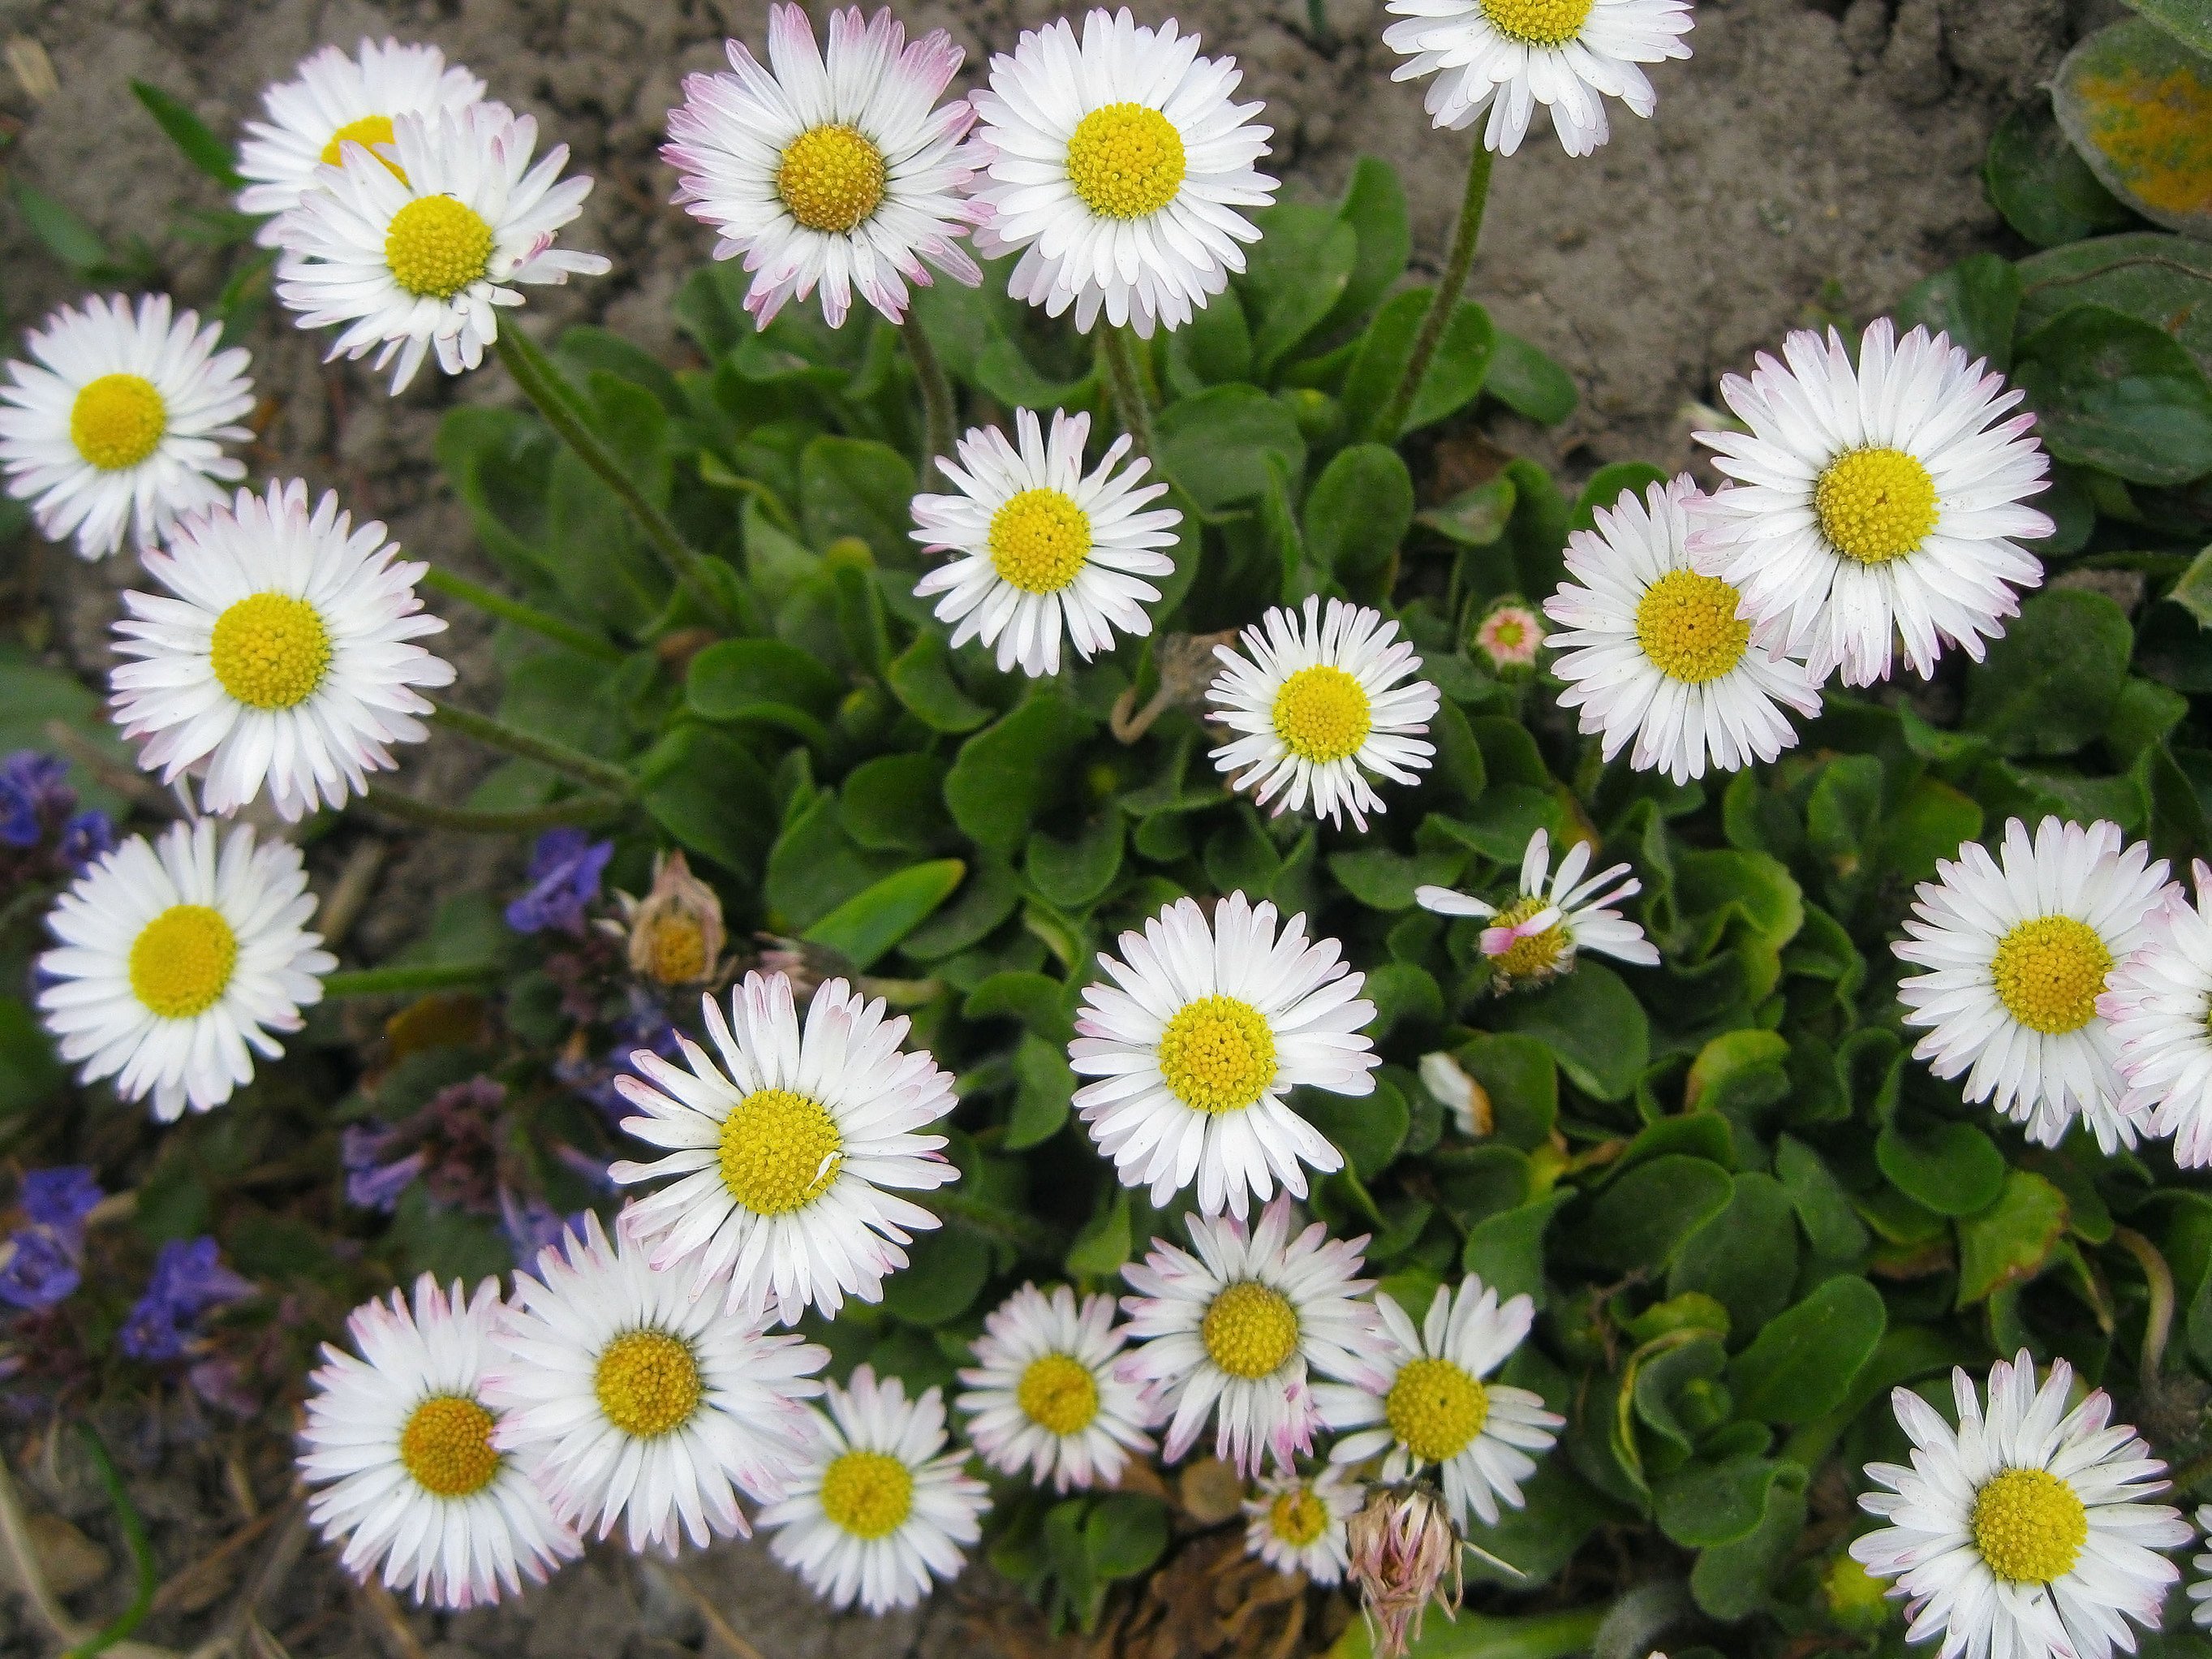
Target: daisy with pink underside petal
(1235,1333)
(842,174)
(1510,637)
(2159,1005)
(1536,938)
(1044,1393)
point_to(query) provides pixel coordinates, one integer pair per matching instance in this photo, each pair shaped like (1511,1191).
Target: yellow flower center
(1218,1055)
(447,1446)
(1875,505)
(1508,632)
(1321,714)
(647,1383)
(1039,540)
(1298,1517)
(1124,161)
(1535,956)
(1058,1394)
(117,421)
(2029,1526)
(831,178)
(2048,973)
(1687,626)
(1435,1409)
(867,1493)
(1250,1329)
(675,950)
(181,961)
(370,130)
(436,247)
(271,650)
(780,1151)
(1538,22)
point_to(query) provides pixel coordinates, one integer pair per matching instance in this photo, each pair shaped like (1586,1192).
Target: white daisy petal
(1045,1394)
(1536,939)
(2158,1004)
(1296,1523)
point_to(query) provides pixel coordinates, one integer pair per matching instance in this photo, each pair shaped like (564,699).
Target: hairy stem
(2158,1321)
(1126,384)
(498,734)
(468,821)
(1449,284)
(553,628)
(940,412)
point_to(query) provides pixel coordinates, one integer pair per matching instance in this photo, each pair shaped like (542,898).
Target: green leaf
(1974,302)
(1006,772)
(1746,1257)
(815,866)
(1476,517)
(1949,1167)
(1368,1129)
(2043,188)
(895,804)
(31,1073)
(944,1270)
(2008,1243)
(1706,1504)
(1294,276)
(765,682)
(1507,1248)
(1356,514)
(1103,1245)
(1730,1581)
(2049,683)
(67,237)
(1124,1533)
(1045,1084)
(1528,382)
(190,135)
(870,922)
(1217,445)
(1374,205)
(2193,591)
(921,678)
(1523,1081)
(2138,105)
(1591,1023)
(2186,20)
(1643,1218)
(704,787)
(855,487)
(2117,394)
(1038,1001)
(1610,483)
(1073,874)
(2164,280)
(1801,1365)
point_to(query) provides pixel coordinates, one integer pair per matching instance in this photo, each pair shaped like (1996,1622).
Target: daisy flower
(846,174)
(2158,1007)
(1536,938)
(1509,56)
(177,960)
(882,1505)
(284,657)
(1433,1406)
(783,1152)
(1508,638)
(1295,1524)
(1039,545)
(1653,649)
(629,1398)
(2018,954)
(1873,504)
(424,255)
(2022,1532)
(1116,169)
(1317,706)
(336,101)
(2200,1592)
(1231,1333)
(1206,1028)
(400,1441)
(1044,1394)
(119,421)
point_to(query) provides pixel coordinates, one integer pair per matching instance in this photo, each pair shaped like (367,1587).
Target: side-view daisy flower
(178,959)
(846,174)
(2200,1590)
(630,1400)
(334,101)
(399,1439)
(2023,1530)
(1206,1028)
(116,424)
(1116,169)
(283,657)
(2017,955)
(1044,1393)
(1653,649)
(1873,504)
(882,1505)
(1509,56)
(423,255)
(1040,546)
(2158,1002)
(1434,1407)
(1234,1333)
(1319,704)
(783,1153)
(1295,1523)
(1537,937)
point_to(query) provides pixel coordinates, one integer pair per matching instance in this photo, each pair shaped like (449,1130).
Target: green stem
(584,768)
(553,628)
(392,982)
(135,1539)
(940,412)
(2158,1318)
(541,383)
(1449,285)
(522,821)
(1126,384)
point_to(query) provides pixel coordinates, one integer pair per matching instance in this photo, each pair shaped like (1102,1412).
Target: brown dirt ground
(1816,157)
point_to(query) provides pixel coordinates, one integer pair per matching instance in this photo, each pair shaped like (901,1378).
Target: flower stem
(1126,384)
(1449,284)
(391,981)
(581,640)
(133,1528)
(541,383)
(470,821)
(940,412)
(584,768)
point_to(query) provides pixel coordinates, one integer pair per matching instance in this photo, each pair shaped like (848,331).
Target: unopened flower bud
(676,932)
(1509,638)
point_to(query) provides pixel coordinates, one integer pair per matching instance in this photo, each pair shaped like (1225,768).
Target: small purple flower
(374,1178)
(565,867)
(86,838)
(41,1269)
(34,793)
(188,1280)
(646,1026)
(61,1198)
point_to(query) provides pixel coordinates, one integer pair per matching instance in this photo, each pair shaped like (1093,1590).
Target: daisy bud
(1509,638)
(675,933)
(1401,1546)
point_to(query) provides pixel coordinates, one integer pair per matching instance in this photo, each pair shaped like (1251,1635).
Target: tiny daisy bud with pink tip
(1044,1394)
(2158,1003)
(1509,637)
(1537,937)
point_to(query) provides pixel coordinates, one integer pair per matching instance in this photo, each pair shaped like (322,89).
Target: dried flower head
(675,933)
(1401,1546)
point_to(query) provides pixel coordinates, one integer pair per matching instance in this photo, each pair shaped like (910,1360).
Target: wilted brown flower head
(675,933)
(1402,1544)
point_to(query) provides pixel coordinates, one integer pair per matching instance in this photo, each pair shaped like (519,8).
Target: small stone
(1211,1492)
